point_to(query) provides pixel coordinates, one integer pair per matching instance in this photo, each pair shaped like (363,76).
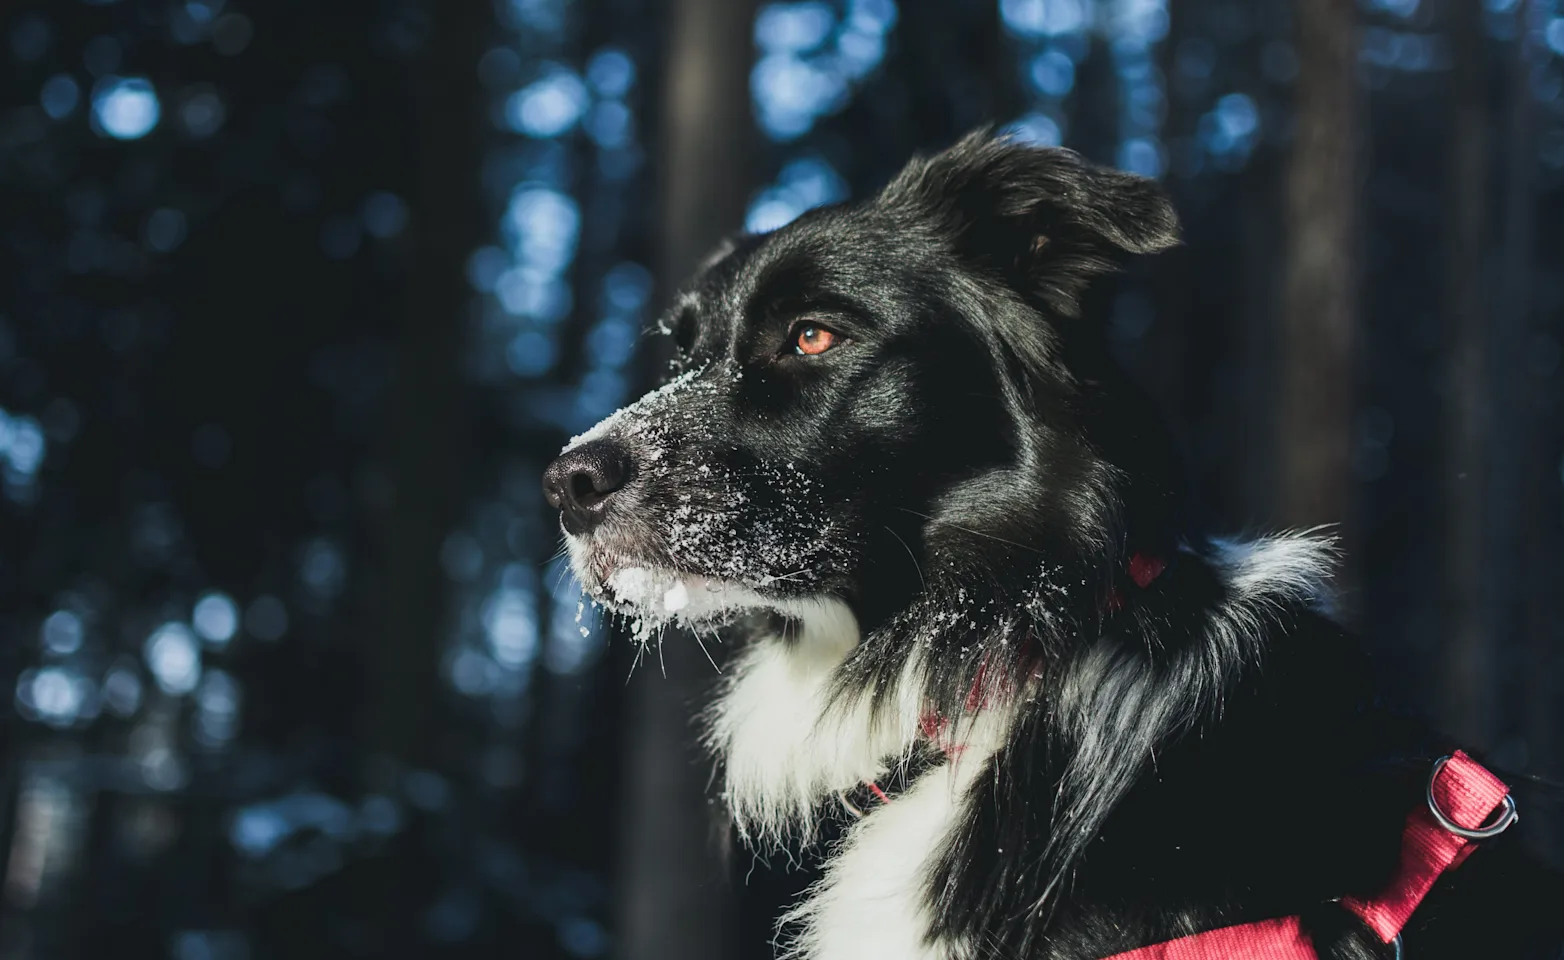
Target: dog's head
(881,402)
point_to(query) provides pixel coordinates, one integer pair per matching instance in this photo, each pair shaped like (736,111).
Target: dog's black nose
(580,482)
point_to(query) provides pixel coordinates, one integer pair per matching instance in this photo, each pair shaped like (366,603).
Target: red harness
(1462,796)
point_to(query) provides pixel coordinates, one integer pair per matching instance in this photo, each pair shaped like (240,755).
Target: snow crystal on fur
(724,529)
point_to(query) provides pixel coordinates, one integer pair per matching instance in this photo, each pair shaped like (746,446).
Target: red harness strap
(1462,796)
(1439,835)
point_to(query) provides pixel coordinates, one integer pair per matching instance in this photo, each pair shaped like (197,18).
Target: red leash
(1462,796)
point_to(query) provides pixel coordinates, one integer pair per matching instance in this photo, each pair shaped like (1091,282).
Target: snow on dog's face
(871,401)
(700,523)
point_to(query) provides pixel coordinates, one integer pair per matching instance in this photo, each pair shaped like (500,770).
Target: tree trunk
(1319,289)
(1466,661)
(423,446)
(674,899)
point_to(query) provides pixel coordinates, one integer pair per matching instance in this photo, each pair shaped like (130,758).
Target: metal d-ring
(1506,818)
(1397,942)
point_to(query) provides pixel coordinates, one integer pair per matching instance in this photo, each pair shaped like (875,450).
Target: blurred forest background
(297,298)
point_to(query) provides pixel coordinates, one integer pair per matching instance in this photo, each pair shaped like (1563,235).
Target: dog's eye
(811,339)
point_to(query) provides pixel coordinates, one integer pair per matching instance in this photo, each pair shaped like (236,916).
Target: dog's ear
(1043,216)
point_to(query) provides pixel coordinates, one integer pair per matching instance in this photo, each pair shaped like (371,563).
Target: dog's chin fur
(967,533)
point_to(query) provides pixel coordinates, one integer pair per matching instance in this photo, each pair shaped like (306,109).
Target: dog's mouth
(656,593)
(660,592)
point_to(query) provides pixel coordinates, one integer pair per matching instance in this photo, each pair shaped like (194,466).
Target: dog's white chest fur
(785,745)
(872,902)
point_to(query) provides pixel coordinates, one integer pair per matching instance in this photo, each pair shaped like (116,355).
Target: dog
(896,464)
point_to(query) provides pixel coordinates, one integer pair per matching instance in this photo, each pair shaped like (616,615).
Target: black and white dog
(900,467)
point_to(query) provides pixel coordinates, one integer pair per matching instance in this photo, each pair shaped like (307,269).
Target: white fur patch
(1265,573)
(1289,566)
(871,901)
(660,594)
(785,745)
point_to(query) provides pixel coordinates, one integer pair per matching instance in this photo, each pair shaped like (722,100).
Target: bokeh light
(165,229)
(810,61)
(266,618)
(62,633)
(550,105)
(125,108)
(215,618)
(174,658)
(57,696)
(611,72)
(385,215)
(122,690)
(1044,18)
(804,183)
(202,113)
(59,96)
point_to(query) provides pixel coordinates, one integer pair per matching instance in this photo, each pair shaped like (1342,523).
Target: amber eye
(811,340)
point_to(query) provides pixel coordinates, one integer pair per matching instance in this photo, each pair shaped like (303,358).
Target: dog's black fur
(969,470)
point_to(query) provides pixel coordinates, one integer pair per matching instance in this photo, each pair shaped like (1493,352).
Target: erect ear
(1043,216)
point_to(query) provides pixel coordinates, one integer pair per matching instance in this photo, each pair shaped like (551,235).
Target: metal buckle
(1506,817)
(1397,942)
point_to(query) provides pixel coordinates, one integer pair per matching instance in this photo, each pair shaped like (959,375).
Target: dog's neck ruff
(1462,797)
(1141,571)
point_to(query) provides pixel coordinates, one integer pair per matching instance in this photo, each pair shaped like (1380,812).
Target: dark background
(297,298)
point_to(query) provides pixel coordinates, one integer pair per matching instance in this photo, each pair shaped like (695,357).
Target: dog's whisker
(910,554)
(767,581)
(640,649)
(561,576)
(697,635)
